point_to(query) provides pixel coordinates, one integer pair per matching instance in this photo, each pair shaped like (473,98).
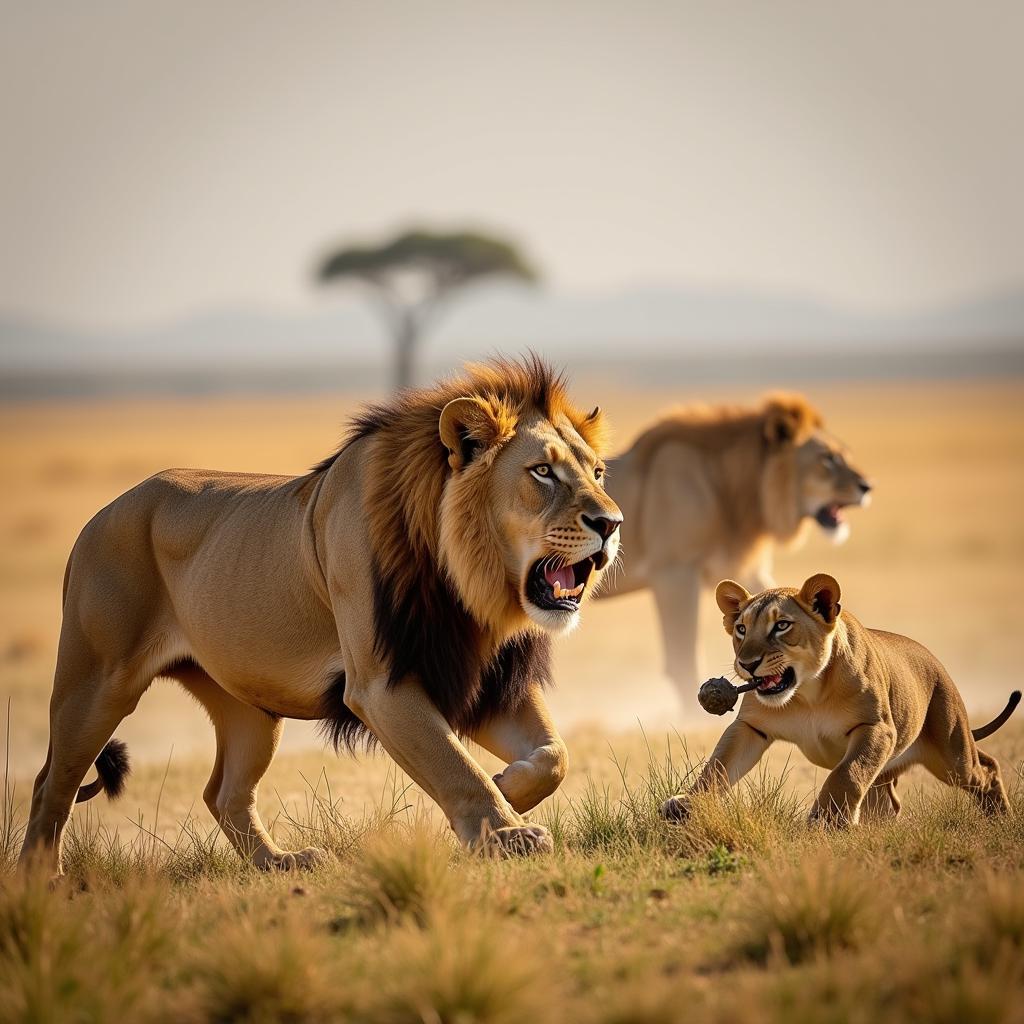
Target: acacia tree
(411,277)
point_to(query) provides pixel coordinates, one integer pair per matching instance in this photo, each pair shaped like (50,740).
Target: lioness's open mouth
(558,588)
(768,686)
(831,517)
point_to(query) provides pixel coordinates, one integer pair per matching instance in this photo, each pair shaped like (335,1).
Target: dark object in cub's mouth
(717,696)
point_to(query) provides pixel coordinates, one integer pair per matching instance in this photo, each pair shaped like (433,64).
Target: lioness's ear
(730,595)
(821,595)
(468,426)
(789,417)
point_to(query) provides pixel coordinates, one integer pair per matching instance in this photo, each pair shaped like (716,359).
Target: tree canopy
(411,276)
(450,259)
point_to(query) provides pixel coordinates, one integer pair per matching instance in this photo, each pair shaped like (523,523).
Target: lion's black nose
(603,526)
(865,487)
(751,666)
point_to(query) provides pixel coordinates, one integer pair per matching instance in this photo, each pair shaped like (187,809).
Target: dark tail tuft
(112,768)
(339,725)
(983,732)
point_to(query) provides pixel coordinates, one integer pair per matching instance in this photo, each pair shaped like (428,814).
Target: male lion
(708,492)
(863,703)
(403,591)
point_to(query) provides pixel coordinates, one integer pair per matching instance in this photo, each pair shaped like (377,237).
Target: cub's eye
(542,472)
(830,460)
(782,625)
(741,629)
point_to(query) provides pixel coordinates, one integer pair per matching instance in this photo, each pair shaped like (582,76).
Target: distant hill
(656,324)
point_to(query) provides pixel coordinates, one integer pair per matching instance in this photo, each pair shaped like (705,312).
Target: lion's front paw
(299,860)
(676,809)
(516,841)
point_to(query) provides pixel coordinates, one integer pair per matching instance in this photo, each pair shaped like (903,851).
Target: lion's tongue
(564,577)
(766,682)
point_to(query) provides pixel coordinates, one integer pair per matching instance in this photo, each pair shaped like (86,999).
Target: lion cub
(863,703)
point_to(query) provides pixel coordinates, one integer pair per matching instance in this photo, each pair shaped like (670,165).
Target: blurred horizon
(690,181)
(660,334)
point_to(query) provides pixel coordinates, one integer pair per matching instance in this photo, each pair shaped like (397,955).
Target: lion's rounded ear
(468,426)
(789,418)
(820,594)
(730,597)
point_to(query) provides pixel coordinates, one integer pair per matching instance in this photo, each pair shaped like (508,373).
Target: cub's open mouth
(830,517)
(558,589)
(770,685)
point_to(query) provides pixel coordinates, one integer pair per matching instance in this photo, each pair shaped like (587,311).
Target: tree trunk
(405,345)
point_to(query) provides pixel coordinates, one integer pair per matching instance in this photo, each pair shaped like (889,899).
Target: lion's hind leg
(247,739)
(88,704)
(991,793)
(953,757)
(974,771)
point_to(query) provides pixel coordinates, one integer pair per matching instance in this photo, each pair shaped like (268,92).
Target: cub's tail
(1000,720)
(112,768)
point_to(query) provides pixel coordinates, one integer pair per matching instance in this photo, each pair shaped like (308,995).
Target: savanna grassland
(743,914)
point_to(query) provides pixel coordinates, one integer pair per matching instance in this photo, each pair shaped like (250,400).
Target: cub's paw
(676,809)
(300,860)
(830,818)
(516,841)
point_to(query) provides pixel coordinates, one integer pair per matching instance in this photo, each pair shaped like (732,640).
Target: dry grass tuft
(816,908)
(66,955)
(758,816)
(265,975)
(399,876)
(462,970)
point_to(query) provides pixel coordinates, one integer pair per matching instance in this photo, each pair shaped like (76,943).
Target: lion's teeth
(557,590)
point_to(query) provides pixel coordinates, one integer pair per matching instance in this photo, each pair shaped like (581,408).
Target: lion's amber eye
(782,625)
(740,628)
(542,472)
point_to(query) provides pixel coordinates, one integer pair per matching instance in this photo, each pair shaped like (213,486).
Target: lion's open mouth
(768,686)
(558,588)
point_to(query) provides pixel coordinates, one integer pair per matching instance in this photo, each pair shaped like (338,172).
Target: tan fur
(865,704)
(259,593)
(708,492)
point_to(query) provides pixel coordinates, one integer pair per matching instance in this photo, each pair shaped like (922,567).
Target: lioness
(708,492)
(863,703)
(403,591)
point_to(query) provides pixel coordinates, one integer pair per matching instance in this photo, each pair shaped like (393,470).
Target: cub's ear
(820,594)
(731,596)
(469,426)
(789,418)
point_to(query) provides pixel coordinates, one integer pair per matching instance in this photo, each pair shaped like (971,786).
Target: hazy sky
(164,158)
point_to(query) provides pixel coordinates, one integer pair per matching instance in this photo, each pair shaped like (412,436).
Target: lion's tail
(1000,720)
(112,768)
